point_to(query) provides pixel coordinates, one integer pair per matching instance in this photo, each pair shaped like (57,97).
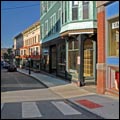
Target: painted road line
(2,104)
(65,108)
(30,110)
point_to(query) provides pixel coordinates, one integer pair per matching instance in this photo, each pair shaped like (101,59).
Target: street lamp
(29,59)
(29,65)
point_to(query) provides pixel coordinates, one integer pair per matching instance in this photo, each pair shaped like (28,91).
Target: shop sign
(45,51)
(78,60)
(115,25)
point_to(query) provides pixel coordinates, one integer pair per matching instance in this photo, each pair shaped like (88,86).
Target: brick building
(108,47)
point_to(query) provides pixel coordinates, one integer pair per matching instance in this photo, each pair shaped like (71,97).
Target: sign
(78,60)
(45,51)
(115,25)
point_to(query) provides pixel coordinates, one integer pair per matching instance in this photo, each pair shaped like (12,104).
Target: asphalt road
(43,109)
(12,81)
(49,109)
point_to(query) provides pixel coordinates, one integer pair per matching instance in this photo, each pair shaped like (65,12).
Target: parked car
(6,65)
(12,68)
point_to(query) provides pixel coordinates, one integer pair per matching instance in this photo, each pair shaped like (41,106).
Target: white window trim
(46,25)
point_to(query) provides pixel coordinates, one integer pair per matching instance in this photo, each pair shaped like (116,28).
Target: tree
(5,56)
(9,51)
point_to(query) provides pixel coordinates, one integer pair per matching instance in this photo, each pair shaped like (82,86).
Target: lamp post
(29,65)
(29,59)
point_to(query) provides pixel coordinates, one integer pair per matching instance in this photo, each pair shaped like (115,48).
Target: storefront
(53,59)
(81,58)
(112,47)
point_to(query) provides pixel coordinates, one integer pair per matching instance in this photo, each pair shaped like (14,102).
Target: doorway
(53,59)
(89,61)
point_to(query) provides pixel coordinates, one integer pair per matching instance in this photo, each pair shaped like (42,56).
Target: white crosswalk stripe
(2,104)
(65,108)
(30,110)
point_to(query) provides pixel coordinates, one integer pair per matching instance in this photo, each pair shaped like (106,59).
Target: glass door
(88,58)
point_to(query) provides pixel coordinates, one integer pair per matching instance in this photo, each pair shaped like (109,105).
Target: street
(11,81)
(40,102)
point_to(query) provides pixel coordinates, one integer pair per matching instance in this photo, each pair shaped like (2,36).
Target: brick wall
(101,51)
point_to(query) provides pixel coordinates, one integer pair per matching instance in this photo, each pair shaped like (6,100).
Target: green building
(69,35)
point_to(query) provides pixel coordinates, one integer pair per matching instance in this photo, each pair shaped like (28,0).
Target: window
(114,37)
(85,9)
(65,12)
(24,52)
(53,23)
(21,52)
(73,44)
(46,28)
(34,51)
(49,4)
(72,61)
(50,31)
(61,58)
(38,38)
(35,39)
(42,8)
(37,52)
(31,51)
(75,10)
(42,31)
(73,52)
(58,21)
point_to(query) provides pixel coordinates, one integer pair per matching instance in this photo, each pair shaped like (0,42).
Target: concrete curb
(34,78)
(77,106)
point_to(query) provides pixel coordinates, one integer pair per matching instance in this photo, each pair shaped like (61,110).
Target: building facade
(18,43)
(31,46)
(108,47)
(69,36)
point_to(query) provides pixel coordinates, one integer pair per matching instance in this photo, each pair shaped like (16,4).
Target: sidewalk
(86,97)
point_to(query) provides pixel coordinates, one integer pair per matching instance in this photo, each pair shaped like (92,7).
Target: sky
(16,16)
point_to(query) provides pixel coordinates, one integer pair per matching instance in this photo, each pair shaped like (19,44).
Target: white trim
(79,26)
(80,33)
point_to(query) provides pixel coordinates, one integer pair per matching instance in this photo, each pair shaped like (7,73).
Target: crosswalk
(65,108)
(40,109)
(30,109)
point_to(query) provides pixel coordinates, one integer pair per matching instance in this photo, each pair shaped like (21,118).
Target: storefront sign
(115,25)
(78,60)
(45,50)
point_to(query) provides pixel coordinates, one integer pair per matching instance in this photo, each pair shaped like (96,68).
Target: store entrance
(88,59)
(53,59)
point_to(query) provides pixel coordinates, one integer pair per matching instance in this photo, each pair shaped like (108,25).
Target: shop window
(61,59)
(113,78)
(76,44)
(45,59)
(73,44)
(88,58)
(72,54)
(70,44)
(114,38)
(72,59)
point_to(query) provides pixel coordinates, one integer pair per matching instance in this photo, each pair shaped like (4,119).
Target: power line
(20,7)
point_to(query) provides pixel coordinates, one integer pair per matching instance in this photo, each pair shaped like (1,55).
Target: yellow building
(31,46)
